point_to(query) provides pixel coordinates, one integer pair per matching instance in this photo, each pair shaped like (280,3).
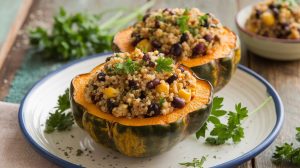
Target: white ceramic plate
(246,87)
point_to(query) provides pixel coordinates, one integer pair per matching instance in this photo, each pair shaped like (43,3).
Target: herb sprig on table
(287,152)
(77,35)
(60,120)
(196,163)
(230,130)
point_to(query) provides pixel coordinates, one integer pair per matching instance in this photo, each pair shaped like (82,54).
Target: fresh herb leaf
(287,153)
(80,34)
(164,64)
(201,132)
(60,120)
(298,133)
(182,21)
(223,132)
(72,36)
(203,20)
(196,163)
(161,101)
(128,67)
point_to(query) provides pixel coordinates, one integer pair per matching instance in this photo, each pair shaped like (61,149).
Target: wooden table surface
(284,76)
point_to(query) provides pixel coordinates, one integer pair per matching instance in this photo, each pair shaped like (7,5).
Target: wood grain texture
(14,28)
(285,77)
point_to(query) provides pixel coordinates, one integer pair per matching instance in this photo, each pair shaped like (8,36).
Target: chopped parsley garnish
(60,120)
(128,67)
(196,163)
(164,64)
(203,20)
(288,153)
(161,101)
(182,21)
(230,130)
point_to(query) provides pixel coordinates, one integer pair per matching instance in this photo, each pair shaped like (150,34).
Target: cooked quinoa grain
(180,33)
(275,18)
(140,85)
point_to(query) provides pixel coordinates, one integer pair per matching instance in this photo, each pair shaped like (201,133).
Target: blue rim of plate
(235,162)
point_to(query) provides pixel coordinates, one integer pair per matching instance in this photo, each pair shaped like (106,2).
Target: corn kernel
(144,45)
(186,95)
(163,88)
(268,18)
(111,92)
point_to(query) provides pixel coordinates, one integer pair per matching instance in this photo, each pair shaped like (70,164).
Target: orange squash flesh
(200,100)
(228,41)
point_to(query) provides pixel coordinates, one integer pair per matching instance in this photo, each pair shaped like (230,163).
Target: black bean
(133,84)
(137,38)
(153,109)
(181,68)
(152,84)
(143,95)
(151,64)
(111,105)
(199,49)
(156,44)
(208,37)
(176,49)
(166,10)
(276,12)
(93,98)
(101,76)
(184,37)
(156,24)
(178,102)
(145,17)
(265,34)
(156,82)
(146,57)
(108,59)
(258,13)
(172,78)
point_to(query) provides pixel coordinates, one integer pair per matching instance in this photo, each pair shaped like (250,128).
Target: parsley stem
(132,15)
(108,24)
(266,101)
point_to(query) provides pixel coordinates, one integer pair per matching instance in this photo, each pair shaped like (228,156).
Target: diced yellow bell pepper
(111,92)
(186,95)
(163,88)
(268,18)
(144,45)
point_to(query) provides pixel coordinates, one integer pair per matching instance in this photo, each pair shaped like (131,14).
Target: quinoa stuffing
(275,18)
(179,33)
(140,85)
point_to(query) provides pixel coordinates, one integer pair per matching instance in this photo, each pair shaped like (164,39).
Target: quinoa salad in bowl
(140,85)
(276,19)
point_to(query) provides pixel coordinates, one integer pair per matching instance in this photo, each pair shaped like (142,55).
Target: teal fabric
(33,69)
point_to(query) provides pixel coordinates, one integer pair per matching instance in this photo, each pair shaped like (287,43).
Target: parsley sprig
(127,67)
(182,21)
(230,130)
(164,64)
(287,152)
(203,20)
(80,34)
(196,163)
(60,120)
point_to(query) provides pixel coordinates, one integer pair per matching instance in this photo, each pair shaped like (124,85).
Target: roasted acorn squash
(217,67)
(139,137)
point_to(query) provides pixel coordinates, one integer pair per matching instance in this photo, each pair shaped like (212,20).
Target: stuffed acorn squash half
(191,37)
(140,104)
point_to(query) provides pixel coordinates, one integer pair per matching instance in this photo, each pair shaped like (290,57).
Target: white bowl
(273,48)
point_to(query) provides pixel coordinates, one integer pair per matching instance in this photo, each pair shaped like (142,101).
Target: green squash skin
(219,72)
(127,140)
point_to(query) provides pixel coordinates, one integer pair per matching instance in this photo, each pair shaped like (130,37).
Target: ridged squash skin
(142,140)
